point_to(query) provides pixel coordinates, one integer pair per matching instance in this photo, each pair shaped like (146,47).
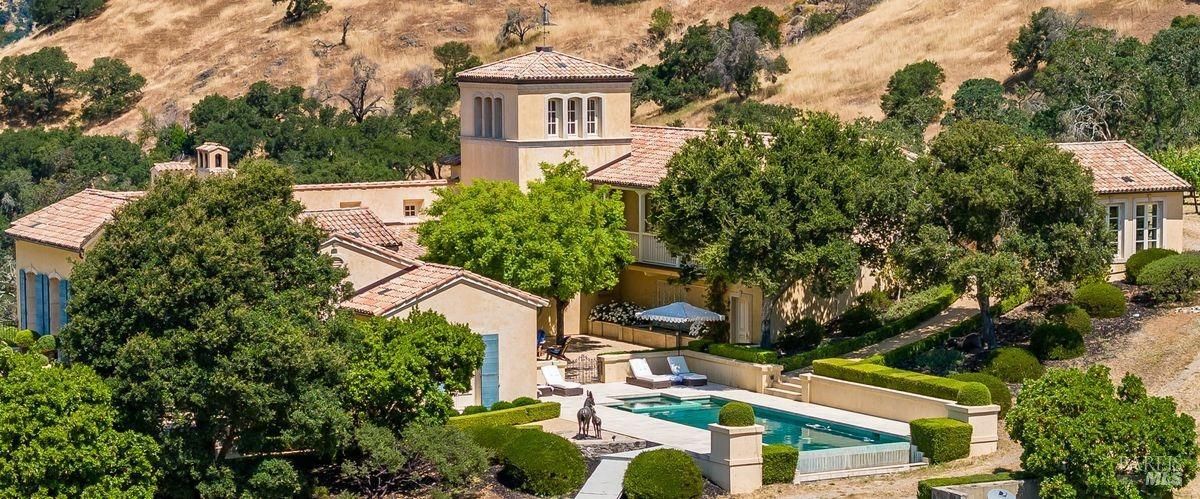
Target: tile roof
(544,65)
(173,166)
(407,234)
(360,223)
(646,164)
(371,185)
(404,288)
(72,222)
(1118,167)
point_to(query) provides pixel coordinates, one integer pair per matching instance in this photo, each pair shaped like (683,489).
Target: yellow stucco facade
(400,202)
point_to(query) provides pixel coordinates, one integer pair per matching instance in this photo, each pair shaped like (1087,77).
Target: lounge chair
(559,351)
(679,368)
(558,385)
(645,378)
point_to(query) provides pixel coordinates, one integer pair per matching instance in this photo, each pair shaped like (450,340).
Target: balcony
(648,249)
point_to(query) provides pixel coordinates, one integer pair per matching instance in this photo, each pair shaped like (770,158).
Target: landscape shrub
(800,335)
(665,473)
(1071,316)
(473,409)
(915,302)
(273,478)
(1138,261)
(736,414)
(46,344)
(1014,365)
(1172,279)
(1054,341)
(940,361)
(509,417)
(495,438)
(941,439)
(1000,394)
(925,487)
(542,464)
(623,313)
(501,405)
(24,339)
(744,353)
(8,336)
(858,320)
(523,401)
(442,454)
(966,393)
(779,463)
(700,345)
(1101,299)
(905,354)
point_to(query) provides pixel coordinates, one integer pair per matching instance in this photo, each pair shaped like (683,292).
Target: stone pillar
(983,420)
(735,457)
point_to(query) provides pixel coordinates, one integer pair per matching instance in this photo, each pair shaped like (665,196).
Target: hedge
(779,463)
(962,392)
(523,401)
(1014,365)
(743,353)
(509,417)
(1101,299)
(941,439)
(906,353)
(736,414)
(1139,261)
(999,391)
(496,438)
(700,345)
(543,464)
(936,300)
(663,473)
(925,487)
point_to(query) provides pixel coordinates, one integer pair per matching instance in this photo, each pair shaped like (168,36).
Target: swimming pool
(804,432)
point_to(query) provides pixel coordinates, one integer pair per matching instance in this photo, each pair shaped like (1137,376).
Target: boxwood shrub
(473,409)
(700,345)
(999,391)
(496,438)
(1139,261)
(523,401)
(779,463)
(1101,299)
(736,414)
(1071,316)
(1172,279)
(941,439)
(509,417)
(542,464)
(664,473)
(501,405)
(1014,365)
(743,353)
(963,392)
(1054,341)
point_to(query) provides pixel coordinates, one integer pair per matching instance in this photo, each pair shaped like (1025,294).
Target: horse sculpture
(587,418)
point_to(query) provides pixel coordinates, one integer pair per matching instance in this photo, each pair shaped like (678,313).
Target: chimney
(545,48)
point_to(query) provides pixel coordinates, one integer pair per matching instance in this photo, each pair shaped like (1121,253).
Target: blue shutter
(44,304)
(23,312)
(39,291)
(489,374)
(64,294)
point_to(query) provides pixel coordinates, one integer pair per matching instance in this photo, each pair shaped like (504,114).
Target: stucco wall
(486,312)
(363,267)
(385,199)
(1172,237)
(41,258)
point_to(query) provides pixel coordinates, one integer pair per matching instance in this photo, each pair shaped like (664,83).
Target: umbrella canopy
(679,313)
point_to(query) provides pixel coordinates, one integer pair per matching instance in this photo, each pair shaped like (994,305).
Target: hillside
(189,49)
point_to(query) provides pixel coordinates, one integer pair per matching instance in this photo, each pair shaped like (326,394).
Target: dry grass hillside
(188,49)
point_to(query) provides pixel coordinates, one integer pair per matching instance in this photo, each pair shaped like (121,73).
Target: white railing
(648,249)
(850,458)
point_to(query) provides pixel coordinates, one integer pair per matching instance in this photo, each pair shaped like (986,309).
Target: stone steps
(782,393)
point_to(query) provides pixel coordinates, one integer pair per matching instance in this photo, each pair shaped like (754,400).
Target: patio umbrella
(679,313)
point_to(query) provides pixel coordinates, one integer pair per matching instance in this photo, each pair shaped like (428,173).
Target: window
(487,117)
(552,116)
(1115,221)
(1147,224)
(349,204)
(593,116)
(498,118)
(412,208)
(572,117)
(479,116)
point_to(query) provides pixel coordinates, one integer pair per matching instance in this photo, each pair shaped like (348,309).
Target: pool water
(803,432)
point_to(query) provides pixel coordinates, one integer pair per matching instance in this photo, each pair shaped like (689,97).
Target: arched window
(487,117)
(498,115)
(592,126)
(573,118)
(552,116)
(479,116)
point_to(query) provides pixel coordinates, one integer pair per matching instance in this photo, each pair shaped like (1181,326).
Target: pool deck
(695,439)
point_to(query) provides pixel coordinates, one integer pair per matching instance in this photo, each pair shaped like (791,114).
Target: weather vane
(546,24)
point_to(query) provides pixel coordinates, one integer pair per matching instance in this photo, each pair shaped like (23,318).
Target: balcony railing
(648,249)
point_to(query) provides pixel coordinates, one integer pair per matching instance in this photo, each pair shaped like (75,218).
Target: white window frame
(1143,224)
(415,204)
(572,119)
(593,116)
(553,116)
(1119,220)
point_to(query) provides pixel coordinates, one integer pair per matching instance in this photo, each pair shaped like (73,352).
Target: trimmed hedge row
(743,353)
(663,473)
(925,487)
(941,439)
(939,299)
(963,392)
(1001,395)
(509,417)
(906,353)
(779,463)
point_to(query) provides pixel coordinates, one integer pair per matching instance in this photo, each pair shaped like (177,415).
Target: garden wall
(757,378)
(663,338)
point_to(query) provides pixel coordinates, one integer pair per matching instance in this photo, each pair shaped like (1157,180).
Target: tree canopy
(35,87)
(51,12)
(563,237)
(914,97)
(811,205)
(110,86)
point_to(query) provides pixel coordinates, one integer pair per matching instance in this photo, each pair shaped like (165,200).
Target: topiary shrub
(736,414)
(1071,316)
(664,473)
(779,463)
(1172,279)
(941,439)
(473,409)
(1139,261)
(999,391)
(523,401)
(24,339)
(1054,341)
(974,394)
(46,344)
(542,464)
(1101,299)
(801,335)
(501,405)
(1014,365)
(495,438)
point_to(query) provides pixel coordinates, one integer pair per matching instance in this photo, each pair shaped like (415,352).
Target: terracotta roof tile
(646,164)
(359,223)
(1118,167)
(545,65)
(370,185)
(72,222)
(407,234)
(413,283)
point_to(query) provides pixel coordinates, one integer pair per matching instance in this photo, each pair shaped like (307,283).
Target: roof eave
(523,80)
